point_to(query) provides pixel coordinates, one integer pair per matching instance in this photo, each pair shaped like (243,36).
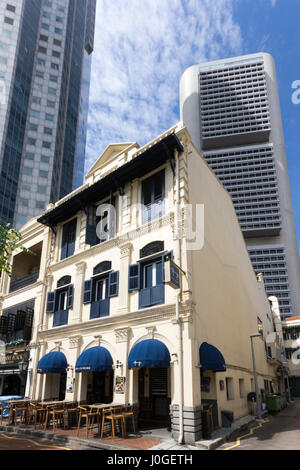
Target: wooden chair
(89,415)
(37,414)
(20,412)
(71,414)
(128,412)
(113,415)
(54,414)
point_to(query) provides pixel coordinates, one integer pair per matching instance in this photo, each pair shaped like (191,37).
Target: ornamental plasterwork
(122,334)
(125,250)
(151,331)
(74,341)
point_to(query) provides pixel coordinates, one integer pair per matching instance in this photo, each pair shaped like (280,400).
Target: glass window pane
(148,276)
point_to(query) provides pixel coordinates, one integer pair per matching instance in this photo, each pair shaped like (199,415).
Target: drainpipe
(178,321)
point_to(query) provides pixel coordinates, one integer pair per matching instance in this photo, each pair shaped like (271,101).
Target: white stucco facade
(220,300)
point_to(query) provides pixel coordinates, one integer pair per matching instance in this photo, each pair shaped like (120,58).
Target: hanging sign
(172,274)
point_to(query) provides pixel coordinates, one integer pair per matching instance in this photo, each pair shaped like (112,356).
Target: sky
(142,48)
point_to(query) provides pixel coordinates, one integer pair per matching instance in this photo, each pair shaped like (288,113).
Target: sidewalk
(156,439)
(218,437)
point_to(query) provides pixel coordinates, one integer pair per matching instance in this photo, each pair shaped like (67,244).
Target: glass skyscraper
(45,63)
(232,111)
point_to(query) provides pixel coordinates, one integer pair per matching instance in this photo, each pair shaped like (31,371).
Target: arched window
(64,281)
(152,248)
(102,267)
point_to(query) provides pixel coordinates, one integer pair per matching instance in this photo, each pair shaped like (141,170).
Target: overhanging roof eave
(139,166)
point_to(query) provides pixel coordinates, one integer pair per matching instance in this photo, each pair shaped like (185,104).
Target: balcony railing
(23,282)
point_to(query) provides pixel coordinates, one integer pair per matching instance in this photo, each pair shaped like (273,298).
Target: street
(9,442)
(280,431)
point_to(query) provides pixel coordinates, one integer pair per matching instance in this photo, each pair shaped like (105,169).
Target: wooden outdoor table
(67,411)
(107,405)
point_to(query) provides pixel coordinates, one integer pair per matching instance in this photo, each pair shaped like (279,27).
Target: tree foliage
(10,240)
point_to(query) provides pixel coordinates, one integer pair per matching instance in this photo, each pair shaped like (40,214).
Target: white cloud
(141,51)
(273,3)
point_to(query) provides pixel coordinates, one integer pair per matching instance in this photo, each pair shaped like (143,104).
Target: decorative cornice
(125,249)
(152,314)
(151,331)
(58,344)
(80,267)
(74,341)
(98,338)
(24,289)
(122,334)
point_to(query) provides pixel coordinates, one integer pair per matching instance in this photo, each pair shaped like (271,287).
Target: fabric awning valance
(53,363)
(211,358)
(149,353)
(96,359)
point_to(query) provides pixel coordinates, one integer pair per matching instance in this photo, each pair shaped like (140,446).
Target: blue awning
(53,363)
(211,358)
(149,353)
(95,359)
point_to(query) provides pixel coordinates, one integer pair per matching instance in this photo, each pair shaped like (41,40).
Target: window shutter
(87,292)
(70,296)
(50,302)
(68,239)
(134,277)
(71,237)
(145,298)
(91,224)
(64,245)
(113,288)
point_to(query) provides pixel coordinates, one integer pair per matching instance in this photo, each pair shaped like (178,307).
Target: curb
(61,440)
(214,443)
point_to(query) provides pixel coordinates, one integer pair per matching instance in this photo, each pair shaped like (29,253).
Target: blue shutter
(91,236)
(61,318)
(71,237)
(50,302)
(145,298)
(64,244)
(95,310)
(68,239)
(91,224)
(87,292)
(104,308)
(70,296)
(113,280)
(134,275)
(157,295)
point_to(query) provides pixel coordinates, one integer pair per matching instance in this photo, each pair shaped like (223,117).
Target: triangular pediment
(111,152)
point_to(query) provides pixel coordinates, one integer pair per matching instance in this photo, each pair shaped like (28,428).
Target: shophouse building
(146,293)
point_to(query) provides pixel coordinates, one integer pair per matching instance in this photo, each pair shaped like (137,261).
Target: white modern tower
(232,111)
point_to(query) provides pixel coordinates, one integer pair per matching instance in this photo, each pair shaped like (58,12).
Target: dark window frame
(68,239)
(153,196)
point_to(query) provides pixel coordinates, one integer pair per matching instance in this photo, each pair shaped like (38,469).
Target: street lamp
(258,405)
